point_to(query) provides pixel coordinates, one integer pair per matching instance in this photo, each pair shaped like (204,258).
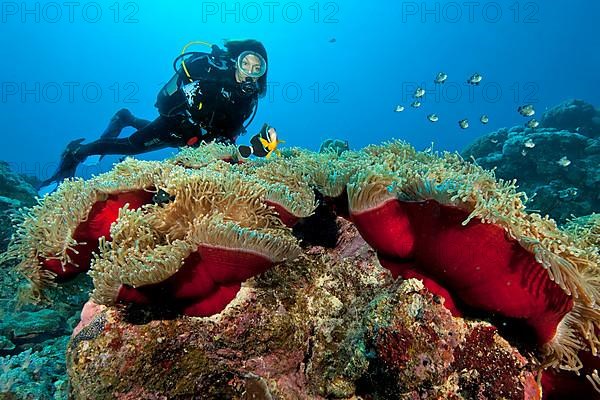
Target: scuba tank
(198,66)
(194,66)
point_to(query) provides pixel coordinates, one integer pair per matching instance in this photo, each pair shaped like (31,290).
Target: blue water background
(119,54)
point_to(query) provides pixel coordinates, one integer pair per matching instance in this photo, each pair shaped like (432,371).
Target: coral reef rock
(330,325)
(575,116)
(15,192)
(558,169)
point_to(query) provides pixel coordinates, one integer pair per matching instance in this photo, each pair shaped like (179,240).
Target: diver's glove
(261,144)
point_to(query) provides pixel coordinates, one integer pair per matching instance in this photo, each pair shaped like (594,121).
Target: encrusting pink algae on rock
(224,290)
(319,327)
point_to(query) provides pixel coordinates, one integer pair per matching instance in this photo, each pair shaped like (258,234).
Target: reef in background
(573,115)
(15,192)
(33,338)
(557,164)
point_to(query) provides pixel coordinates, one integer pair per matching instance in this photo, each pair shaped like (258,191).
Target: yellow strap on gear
(183,51)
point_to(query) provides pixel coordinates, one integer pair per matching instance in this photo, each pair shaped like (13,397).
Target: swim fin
(68,164)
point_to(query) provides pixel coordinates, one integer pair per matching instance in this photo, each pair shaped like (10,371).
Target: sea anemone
(193,252)
(433,217)
(469,237)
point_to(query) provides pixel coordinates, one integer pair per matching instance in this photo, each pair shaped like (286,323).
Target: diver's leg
(138,123)
(153,136)
(120,120)
(116,124)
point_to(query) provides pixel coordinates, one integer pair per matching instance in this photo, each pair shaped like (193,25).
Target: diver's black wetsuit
(215,109)
(209,106)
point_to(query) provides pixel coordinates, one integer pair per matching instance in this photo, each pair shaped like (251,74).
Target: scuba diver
(208,99)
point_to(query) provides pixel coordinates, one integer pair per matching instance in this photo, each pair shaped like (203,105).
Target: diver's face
(249,65)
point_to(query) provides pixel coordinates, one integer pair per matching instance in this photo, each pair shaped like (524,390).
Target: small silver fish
(416,104)
(495,141)
(564,162)
(475,79)
(399,108)
(526,110)
(484,119)
(420,92)
(523,152)
(433,117)
(440,77)
(529,144)
(533,123)
(463,123)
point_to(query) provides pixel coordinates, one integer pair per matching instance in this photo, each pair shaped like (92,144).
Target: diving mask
(250,64)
